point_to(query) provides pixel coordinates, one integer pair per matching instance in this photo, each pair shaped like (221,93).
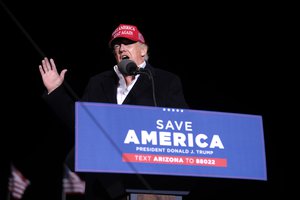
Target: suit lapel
(110,88)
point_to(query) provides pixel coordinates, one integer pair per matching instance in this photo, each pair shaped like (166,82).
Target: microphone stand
(129,67)
(150,76)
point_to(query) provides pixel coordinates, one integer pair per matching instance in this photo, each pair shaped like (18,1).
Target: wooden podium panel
(154,197)
(156,194)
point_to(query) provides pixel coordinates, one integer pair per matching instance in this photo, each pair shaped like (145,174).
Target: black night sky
(223,54)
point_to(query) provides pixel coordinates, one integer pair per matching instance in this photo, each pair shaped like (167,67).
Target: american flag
(72,183)
(17,183)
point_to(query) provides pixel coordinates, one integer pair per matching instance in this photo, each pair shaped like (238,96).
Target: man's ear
(144,50)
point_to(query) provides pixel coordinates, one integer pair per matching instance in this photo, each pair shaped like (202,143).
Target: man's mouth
(125,57)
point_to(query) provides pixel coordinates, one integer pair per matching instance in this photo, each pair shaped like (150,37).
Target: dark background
(226,56)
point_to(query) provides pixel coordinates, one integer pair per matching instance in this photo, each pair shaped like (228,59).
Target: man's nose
(122,47)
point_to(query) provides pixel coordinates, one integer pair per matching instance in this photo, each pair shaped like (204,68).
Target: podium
(167,146)
(154,195)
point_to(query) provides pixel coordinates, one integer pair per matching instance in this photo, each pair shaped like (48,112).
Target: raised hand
(51,78)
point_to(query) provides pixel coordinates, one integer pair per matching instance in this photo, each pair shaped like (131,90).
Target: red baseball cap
(128,31)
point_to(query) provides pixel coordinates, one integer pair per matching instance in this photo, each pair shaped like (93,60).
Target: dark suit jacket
(103,88)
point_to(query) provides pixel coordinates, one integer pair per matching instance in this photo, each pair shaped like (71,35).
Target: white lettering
(149,137)
(190,140)
(165,138)
(167,159)
(131,137)
(216,142)
(176,139)
(179,139)
(198,141)
(174,125)
(159,124)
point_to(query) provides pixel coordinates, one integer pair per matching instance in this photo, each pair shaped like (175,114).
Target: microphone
(128,67)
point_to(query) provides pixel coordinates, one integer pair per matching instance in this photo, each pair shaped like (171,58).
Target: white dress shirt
(123,89)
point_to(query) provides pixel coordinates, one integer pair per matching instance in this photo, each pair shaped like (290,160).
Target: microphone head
(128,67)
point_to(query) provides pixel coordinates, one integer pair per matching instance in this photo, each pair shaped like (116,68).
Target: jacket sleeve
(62,104)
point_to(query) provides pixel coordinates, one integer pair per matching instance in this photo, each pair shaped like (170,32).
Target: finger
(44,64)
(62,73)
(53,66)
(42,71)
(48,64)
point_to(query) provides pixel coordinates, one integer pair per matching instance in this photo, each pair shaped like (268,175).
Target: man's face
(127,49)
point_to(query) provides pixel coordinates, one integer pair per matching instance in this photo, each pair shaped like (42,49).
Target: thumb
(62,73)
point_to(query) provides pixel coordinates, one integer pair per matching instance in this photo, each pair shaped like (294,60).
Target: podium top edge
(170,109)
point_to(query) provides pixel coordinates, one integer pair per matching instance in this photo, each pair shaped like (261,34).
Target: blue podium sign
(130,139)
